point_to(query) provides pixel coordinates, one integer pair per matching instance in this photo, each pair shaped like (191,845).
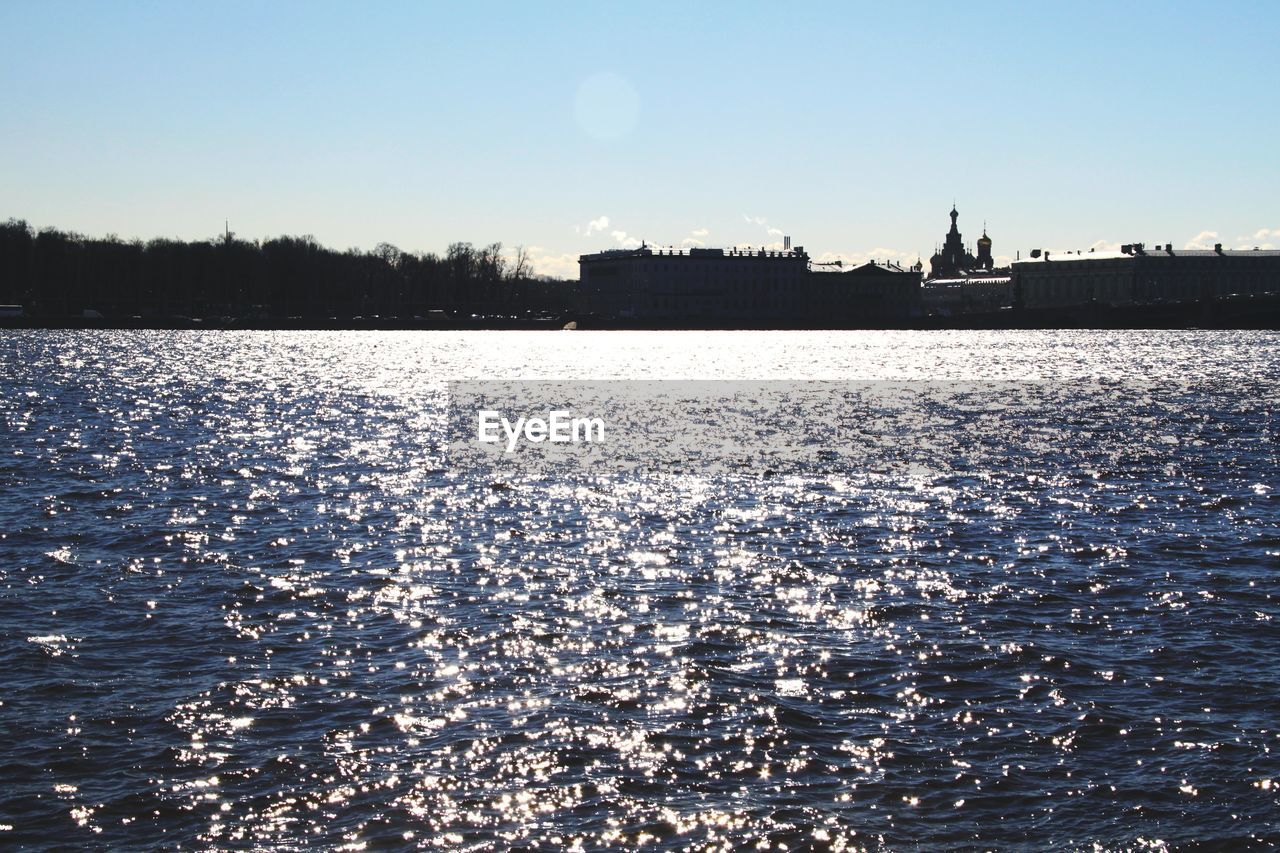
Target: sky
(569,127)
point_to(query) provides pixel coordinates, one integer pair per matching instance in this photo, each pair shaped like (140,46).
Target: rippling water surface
(246,601)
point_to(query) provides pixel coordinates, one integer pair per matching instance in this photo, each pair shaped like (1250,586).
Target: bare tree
(523,267)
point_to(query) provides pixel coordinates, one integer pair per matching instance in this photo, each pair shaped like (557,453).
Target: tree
(522,268)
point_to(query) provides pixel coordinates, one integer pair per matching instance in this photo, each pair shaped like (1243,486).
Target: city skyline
(851,129)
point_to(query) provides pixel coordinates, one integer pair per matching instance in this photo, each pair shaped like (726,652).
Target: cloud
(1203,240)
(770,230)
(880,254)
(598,224)
(1103,246)
(763,223)
(554,265)
(624,240)
(1263,238)
(695,238)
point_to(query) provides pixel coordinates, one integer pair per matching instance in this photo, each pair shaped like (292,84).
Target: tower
(983,261)
(951,259)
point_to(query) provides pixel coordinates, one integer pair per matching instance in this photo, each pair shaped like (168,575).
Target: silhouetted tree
(58,274)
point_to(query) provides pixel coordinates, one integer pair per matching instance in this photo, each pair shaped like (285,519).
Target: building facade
(1137,275)
(740,287)
(969,294)
(869,295)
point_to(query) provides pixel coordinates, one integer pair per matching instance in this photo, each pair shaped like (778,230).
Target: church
(953,260)
(960,282)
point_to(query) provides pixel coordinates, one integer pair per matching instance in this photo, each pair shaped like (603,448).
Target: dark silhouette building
(1138,275)
(953,259)
(741,288)
(984,260)
(960,282)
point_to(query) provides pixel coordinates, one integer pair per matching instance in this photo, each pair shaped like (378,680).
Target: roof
(868,268)
(1052,256)
(968,281)
(647,251)
(1157,252)
(1209,253)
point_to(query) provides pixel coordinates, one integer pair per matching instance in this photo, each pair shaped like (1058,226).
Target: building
(969,294)
(960,282)
(1136,275)
(953,260)
(869,295)
(740,288)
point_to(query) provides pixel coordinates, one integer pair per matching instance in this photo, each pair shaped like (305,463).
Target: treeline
(51,273)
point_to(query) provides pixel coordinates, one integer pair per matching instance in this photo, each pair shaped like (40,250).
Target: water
(245,602)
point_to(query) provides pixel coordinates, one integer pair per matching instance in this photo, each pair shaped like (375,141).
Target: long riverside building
(1137,275)
(741,287)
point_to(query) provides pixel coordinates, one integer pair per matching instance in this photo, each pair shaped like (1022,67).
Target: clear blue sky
(849,126)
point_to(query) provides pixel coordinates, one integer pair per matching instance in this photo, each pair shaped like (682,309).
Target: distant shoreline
(1255,313)
(55,280)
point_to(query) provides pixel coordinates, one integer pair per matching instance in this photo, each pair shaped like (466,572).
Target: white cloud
(1203,240)
(845,259)
(624,240)
(600,223)
(1103,246)
(1263,238)
(770,230)
(695,238)
(880,254)
(554,265)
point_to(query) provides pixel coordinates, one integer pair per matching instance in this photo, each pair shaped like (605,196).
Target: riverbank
(1245,312)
